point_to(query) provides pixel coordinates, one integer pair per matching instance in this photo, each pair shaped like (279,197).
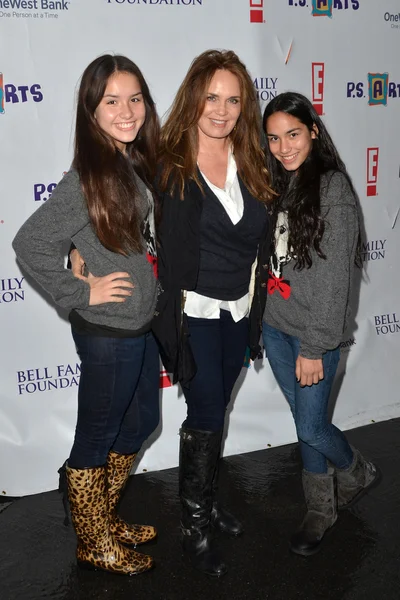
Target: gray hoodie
(313,304)
(39,243)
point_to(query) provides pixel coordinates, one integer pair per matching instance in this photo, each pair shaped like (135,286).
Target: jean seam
(112,395)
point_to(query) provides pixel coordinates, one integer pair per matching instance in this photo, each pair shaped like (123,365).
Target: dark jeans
(318,438)
(219,347)
(118,398)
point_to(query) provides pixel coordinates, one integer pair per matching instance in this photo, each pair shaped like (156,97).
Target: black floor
(360,559)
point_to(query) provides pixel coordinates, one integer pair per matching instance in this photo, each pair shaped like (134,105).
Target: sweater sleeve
(39,243)
(331,277)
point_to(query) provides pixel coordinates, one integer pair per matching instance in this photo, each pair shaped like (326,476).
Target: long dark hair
(300,191)
(179,134)
(106,174)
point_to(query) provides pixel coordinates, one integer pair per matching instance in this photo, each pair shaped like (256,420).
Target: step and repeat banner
(343,54)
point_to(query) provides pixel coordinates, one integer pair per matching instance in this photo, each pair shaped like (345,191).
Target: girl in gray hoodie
(104,204)
(311,270)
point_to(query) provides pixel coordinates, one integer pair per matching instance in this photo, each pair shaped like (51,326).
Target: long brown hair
(179,135)
(106,175)
(301,192)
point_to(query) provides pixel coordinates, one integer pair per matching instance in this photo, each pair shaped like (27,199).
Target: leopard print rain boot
(97,549)
(118,468)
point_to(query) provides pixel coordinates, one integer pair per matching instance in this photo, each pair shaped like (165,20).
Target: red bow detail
(277,283)
(154,263)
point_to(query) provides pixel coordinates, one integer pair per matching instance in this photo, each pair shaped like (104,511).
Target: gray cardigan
(316,308)
(38,246)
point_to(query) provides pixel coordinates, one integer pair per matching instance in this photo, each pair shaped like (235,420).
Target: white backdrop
(345,58)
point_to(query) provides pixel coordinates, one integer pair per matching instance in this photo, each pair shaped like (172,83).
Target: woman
(310,277)
(214,188)
(104,205)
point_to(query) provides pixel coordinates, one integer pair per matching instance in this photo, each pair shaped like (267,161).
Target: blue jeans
(118,397)
(219,347)
(319,439)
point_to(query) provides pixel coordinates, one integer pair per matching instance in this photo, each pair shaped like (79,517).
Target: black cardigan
(178,264)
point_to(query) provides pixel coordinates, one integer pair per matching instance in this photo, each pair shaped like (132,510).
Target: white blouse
(231,199)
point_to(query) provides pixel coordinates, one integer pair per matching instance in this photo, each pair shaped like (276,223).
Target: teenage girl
(310,278)
(104,204)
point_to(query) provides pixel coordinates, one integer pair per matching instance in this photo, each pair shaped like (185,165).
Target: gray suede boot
(319,493)
(354,482)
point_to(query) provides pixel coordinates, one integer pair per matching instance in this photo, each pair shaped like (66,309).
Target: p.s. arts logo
(46,379)
(379,89)
(373,250)
(385,324)
(266,88)
(43,191)
(12,290)
(256,11)
(11,93)
(318,86)
(159,2)
(325,8)
(372,171)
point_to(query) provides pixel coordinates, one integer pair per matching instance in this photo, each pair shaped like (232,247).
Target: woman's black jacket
(178,262)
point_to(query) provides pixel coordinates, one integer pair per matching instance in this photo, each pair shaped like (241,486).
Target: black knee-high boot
(221,518)
(199,452)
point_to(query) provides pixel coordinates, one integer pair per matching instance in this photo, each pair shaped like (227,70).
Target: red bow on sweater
(154,263)
(277,283)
